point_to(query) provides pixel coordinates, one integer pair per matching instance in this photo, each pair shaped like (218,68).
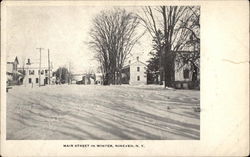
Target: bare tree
(174,23)
(190,34)
(113,37)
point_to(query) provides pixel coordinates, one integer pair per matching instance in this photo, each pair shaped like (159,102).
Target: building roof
(34,64)
(32,67)
(16,60)
(137,61)
(125,67)
(11,59)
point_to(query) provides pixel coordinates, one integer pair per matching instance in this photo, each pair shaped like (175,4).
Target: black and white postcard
(124,78)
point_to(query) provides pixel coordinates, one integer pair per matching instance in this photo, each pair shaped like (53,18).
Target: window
(31,72)
(36,80)
(42,71)
(138,78)
(46,71)
(30,80)
(138,68)
(186,74)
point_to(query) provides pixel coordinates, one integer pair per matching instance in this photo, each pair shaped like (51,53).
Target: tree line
(173,29)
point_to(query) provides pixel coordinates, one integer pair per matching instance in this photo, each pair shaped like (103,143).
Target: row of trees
(113,37)
(173,28)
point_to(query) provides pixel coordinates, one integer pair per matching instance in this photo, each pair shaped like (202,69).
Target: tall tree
(153,67)
(169,20)
(62,74)
(113,37)
(190,34)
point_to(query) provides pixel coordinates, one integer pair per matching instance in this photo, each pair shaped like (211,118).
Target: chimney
(137,58)
(28,63)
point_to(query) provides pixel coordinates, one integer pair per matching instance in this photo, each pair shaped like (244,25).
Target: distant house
(85,79)
(186,75)
(76,78)
(135,73)
(88,79)
(31,73)
(13,76)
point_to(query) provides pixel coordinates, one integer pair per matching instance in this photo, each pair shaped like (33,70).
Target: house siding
(134,73)
(179,73)
(35,76)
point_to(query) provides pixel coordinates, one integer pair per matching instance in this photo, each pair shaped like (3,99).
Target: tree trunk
(119,77)
(168,67)
(106,79)
(194,75)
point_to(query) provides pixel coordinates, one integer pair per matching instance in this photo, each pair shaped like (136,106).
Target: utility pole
(40,50)
(69,75)
(49,65)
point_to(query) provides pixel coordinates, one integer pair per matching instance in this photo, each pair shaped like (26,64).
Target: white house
(135,73)
(185,72)
(31,73)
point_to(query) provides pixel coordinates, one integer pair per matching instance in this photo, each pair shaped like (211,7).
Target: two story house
(31,73)
(135,73)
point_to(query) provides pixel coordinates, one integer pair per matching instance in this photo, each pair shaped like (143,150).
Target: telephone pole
(69,76)
(49,65)
(40,50)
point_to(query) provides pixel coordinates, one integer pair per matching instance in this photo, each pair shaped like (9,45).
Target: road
(92,112)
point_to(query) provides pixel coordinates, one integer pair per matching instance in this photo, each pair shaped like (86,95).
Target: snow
(81,112)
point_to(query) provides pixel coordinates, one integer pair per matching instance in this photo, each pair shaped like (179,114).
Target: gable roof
(137,61)
(12,59)
(127,66)
(16,60)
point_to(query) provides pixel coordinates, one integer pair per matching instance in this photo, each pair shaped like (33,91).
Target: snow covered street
(79,112)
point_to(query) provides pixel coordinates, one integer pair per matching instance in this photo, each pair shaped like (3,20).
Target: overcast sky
(62,29)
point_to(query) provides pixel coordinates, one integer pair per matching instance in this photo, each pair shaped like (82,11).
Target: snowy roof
(127,66)
(12,59)
(34,64)
(137,61)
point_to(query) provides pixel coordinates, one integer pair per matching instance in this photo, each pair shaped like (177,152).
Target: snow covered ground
(78,112)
